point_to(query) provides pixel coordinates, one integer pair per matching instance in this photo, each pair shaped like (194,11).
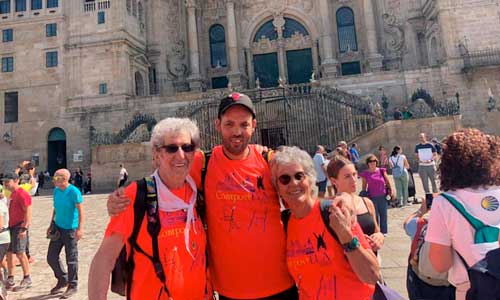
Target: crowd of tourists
(245,222)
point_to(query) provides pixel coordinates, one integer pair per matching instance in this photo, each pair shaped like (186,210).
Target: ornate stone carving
(395,34)
(175,61)
(176,55)
(298,41)
(276,6)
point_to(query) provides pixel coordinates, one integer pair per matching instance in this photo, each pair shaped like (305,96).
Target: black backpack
(484,278)
(146,200)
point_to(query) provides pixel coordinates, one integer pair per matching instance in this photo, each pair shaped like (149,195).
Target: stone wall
(106,162)
(405,134)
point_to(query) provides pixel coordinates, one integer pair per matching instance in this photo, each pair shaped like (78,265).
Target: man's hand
(117,202)
(261,149)
(23,233)
(48,231)
(79,234)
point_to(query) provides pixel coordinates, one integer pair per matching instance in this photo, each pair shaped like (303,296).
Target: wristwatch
(351,246)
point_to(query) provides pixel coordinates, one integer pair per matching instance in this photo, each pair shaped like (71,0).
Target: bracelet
(419,212)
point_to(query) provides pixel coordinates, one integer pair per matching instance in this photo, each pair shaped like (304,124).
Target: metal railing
(300,115)
(481,58)
(100,5)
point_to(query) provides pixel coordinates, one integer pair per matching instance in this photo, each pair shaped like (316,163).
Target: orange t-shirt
(318,264)
(247,256)
(186,277)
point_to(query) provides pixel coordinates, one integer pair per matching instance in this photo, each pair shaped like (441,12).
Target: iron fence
(299,115)
(481,58)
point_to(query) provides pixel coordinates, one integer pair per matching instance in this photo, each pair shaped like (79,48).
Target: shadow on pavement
(42,297)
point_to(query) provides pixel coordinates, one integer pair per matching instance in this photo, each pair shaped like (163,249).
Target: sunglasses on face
(285,178)
(58,177)
(173,148)
(370,161)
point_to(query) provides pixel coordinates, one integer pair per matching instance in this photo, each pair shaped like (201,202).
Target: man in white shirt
(122,179)
(426,157)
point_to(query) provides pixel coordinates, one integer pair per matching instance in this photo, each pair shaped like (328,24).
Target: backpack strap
(324,207)
(285,217)
(421,222)
(268,155)
(139,212)
(201,205)
(150,206)
(484,233)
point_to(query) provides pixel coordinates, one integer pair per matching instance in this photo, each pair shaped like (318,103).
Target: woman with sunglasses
(377,184)
(344,177)
(323,267)
(181,240)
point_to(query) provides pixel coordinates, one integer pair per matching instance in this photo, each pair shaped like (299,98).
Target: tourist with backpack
(159,240)
(399,165)
(465,220)
(246,240)
(327,253)
(422,281)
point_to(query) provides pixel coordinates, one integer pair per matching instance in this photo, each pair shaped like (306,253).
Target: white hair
(173,126)
(290,156)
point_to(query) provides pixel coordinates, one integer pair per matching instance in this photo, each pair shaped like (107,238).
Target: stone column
(279,24)
(235,75)
(374,57)
(194,78)
(329,63)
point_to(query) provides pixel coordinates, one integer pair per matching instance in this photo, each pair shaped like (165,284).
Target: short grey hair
(290,156)
(174,126)
(64,172)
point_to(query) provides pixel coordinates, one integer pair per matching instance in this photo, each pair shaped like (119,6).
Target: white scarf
(169,202)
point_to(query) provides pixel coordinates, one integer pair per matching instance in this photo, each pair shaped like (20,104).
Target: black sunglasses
(173,148)
(285,178)
(372,161)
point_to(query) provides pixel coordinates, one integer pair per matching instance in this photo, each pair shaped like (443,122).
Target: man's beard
(238,149)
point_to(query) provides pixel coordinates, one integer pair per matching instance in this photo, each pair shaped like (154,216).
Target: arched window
(266,31)
(292,26)
(139,84)
(218,46)
(140,12)
(346,30)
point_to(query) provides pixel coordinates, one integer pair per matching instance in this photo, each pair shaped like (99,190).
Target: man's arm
(79,230)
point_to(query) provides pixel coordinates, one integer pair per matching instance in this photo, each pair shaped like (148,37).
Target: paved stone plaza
(394,253)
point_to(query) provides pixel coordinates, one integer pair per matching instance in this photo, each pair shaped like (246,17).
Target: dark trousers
(290,294)
(70,244)
(380,204)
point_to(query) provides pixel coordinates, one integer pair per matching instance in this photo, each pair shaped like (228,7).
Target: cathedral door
(56,150)
(299,65)
(266,69)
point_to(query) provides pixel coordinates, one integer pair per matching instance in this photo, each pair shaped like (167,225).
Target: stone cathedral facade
(76,68)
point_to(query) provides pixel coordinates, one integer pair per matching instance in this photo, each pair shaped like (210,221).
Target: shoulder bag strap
(139,211)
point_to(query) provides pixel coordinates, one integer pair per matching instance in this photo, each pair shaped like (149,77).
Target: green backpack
(484,233)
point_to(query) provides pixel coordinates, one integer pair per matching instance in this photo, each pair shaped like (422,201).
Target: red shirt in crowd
(19,202)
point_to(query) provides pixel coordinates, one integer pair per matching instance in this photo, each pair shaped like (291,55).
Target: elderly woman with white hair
(326,263)
(181,239)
